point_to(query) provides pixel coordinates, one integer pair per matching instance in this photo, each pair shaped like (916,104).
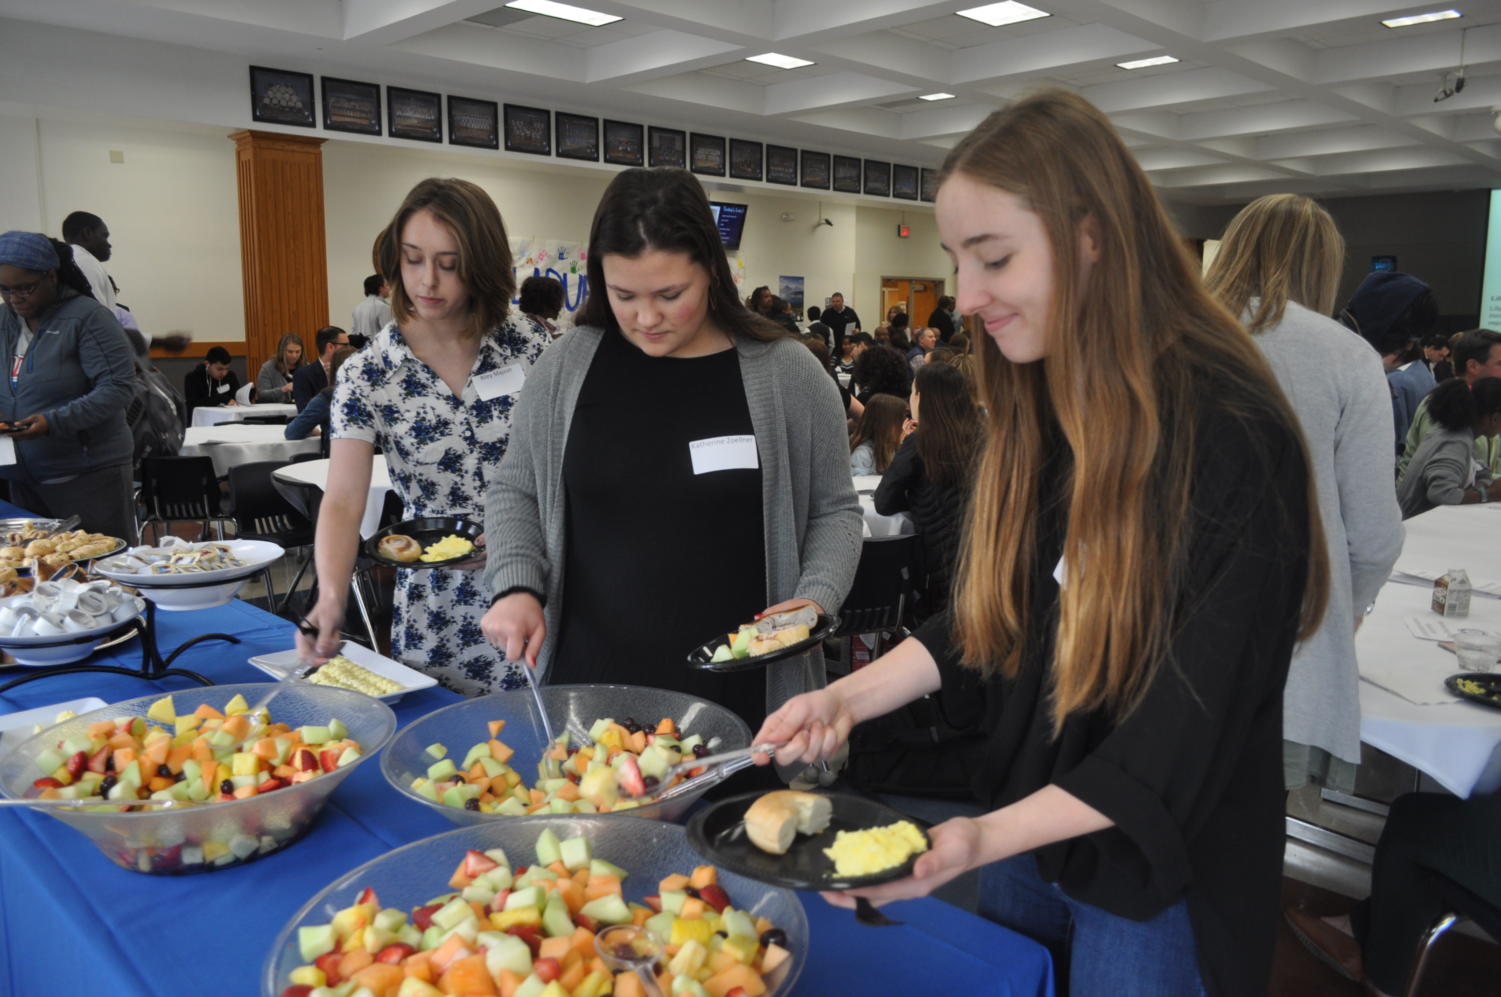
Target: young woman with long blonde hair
(1141,553)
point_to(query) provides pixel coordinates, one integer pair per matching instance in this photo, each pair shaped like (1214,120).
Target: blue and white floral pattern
(440,449)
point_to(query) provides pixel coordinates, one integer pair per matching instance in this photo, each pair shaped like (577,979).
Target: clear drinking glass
(1477,650)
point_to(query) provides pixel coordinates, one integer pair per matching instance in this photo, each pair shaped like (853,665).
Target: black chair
(881,596)
(182,489)
(261,513)
(1462,904)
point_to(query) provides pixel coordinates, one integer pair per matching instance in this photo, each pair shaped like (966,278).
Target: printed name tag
(505,380)
(723,453)
(7,450)
(222,388)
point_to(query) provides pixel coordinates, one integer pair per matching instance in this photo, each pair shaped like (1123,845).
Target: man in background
(89,237)
(838,318)
(211,383)
(1477,355)
(372,314)
(816,327)
(312,378)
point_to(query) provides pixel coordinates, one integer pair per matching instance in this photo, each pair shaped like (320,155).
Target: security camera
(827,222)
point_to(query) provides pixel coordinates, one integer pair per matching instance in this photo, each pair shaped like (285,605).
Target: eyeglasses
(19,290)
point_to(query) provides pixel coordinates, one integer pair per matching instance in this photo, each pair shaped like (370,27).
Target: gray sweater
(1334,381)
(1440,470)
(810,515)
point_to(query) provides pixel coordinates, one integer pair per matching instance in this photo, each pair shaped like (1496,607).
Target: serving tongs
(297,675)
(717,768)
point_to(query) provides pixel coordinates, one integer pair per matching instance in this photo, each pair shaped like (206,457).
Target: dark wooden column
(283,255)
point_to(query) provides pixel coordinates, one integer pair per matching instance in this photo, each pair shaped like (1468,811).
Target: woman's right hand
(515,625)
(808,727)
(326,617)
(909,426)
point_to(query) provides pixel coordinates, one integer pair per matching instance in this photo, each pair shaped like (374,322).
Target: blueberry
(472,803)
(164,770)
(700,750)
(650,782)
(774,936)
(692,891)
(227,787)
(106,784)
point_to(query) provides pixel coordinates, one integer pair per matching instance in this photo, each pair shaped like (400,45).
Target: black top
(202,390)
(1193,777)
(943,322)
(307,381)
(658,559)
(838,322)
(937,512)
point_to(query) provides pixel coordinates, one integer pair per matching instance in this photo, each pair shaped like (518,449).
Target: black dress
(1193,777)
(659,559)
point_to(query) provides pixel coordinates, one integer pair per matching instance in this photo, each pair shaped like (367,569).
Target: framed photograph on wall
(667,147)
(904,182)
(282,97)
(781,165)
(528,129)
(351,106)
(707,154)
(847,174)
(414,114)
(927,187)
(625,143)
(745,159)
(473,122)
(816,169)
(577,136)
(877,178)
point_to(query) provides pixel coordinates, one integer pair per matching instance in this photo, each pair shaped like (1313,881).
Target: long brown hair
(281,353)
(1279,248)
(665,210)
(484,250)
(948,425)
(1134,343)
(881,427)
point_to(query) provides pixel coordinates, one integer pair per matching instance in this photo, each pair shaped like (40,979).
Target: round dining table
(314,474)
(214,415)
(233,443)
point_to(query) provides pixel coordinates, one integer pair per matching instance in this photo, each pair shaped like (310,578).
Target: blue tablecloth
(71,922)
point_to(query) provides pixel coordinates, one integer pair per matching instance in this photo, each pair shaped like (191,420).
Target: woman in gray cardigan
(1278,268)
(1443,468)
(676,467)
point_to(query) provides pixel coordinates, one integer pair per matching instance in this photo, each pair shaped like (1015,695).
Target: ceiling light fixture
(565,11)
(1156,60)
(937,96)
(998,14)
(778,60)
(1428,18)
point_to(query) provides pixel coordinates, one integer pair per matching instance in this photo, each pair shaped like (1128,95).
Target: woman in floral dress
(434,390)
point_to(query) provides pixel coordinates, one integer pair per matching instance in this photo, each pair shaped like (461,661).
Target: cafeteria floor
(1463,963)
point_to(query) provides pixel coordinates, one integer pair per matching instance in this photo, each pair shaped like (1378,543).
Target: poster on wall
(351,106)
(528,129)
(781,164)
(847,174)
(564,260)
(816,169)
(282,97)
(414,114)
(904,182)
(473,122)
(745,159)
(790,290)
(625,143)
(928,187)
(577,136)
(708,154)
(667,147)
(877,177)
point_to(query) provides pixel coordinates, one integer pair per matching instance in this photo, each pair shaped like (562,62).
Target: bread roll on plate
(776,818)
(400,548)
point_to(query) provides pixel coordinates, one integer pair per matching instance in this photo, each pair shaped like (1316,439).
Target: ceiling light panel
(1428,18)
(1156,60)
(999,14)
(778,60)
(564,11)
(937,96)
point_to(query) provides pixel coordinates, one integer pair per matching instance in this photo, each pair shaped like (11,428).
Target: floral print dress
(440,449)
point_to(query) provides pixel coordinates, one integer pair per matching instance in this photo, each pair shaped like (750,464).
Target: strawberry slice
(76,763)
(737,992)
(297,990)
(528,933)
(499,903)
(654,902)
(269,785)
(393,953)
(306,761)
(476,863)
(715,896)
(329,759)
(586,922)
(547,970)
(329,963)
(629,775)
(47,782)
(99,759)
(422,917)
(367,896)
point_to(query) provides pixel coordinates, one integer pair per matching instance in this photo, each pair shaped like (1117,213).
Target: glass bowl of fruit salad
(239,788)
(513,906)
(483,758)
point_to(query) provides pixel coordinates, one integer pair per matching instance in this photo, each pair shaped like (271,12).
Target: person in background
(312,378)
(89,237)
(1394,311)
(373,313)
(930,474)
(1477,354)
(315,418)
(942,318)
(852,407)
(880,370)
(1442,470)
(212,382)
(959,343)
(71,379)
(670,421)
(875,442)
(541,301)
(839,319)
(926,343)
(1137,567)
(436,390)
(941,354)
(781,313)
(1436,356)
(1278,268)
(274,382)
(760,300)
(817,327)
(845,362)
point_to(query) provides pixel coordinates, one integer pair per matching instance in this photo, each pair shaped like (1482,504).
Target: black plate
(427,531)
(699,656)
(1491,683)
(717,832)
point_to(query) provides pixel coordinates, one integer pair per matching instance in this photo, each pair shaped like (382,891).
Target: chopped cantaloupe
(382,978)
(467,976)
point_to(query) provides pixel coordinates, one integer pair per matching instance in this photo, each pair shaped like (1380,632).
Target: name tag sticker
(723,453)
(502,381)
(222,388)
(7,450)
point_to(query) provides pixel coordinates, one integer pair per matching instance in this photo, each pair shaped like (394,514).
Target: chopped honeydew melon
(436,750)
(556,920)
(722,653)
(532,875)
(315,940)
(599,867)
(451,914)
(549,849)
(672,901)
(498,855)
(73,745)
(575,853)
(476,893)
(508,952)
(608,909)
(688,961)
(511,807)
(734,922)
(687,986)
(530,987)
(50,760)
(424,787)
(655,761)
(315,734)
(349,756)
(442,770)
(527,896)
(741,642)
(478,751)
(561,807)
(336,730)
(742,946)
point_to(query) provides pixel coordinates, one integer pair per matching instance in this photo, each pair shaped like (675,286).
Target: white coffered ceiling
(1312,96)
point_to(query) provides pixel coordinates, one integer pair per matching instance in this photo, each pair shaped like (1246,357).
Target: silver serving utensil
(293,676)
(69,524)
(718,768)
(531,682)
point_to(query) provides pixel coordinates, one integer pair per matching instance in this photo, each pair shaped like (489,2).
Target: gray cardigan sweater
(1441,469)
(811,518)
(1334,381)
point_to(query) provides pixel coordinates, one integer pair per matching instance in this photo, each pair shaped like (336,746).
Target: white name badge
(7,450)
(222,388)
(502,381)
(723,453)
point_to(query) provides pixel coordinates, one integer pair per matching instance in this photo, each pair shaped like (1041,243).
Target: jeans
(1095,953)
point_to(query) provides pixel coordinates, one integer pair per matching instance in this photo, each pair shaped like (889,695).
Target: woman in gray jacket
(677,466)
(1443,470)
(69,379)
(1278,268)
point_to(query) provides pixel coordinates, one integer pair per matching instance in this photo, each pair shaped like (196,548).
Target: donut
(396,547)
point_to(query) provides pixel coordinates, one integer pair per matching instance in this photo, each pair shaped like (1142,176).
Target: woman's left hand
(956,850)
(475,562)
(787,605)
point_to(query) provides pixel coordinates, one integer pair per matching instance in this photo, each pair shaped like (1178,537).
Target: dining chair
(1462,904)
(881,595)
(182,489)
(262,513)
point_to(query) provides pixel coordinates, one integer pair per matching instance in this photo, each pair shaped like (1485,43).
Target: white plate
(16,727)
(57,640)
(255,553)
(179,600)
(277,665)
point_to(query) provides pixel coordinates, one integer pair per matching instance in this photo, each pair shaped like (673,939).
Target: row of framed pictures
(284,97)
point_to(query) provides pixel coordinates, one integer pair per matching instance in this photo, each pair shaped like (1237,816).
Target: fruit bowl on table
(575,707)
(201,837)
(648,851)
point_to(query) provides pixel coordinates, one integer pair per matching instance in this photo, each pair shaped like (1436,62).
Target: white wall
(880,253)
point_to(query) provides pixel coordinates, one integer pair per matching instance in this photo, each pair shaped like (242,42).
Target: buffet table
(235,443)
(214,415)
(71,922)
